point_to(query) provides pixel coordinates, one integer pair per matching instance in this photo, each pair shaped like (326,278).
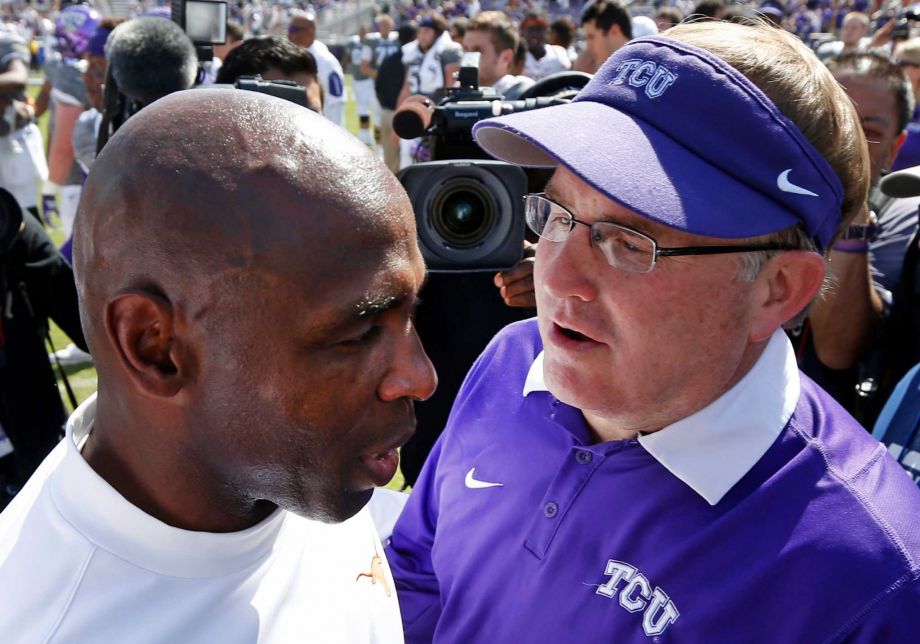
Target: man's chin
(345,506)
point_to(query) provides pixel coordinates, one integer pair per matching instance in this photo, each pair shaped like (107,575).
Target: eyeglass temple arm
(715,250)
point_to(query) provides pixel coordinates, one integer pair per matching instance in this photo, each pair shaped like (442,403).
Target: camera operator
(495,38)
(274,58)
(148,58)
(866,263)
(36,283)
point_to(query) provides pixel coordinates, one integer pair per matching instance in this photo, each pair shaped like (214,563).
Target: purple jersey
(522,530)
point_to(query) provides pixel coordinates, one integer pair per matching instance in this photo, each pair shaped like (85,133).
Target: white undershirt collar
(712,449)
(111,522)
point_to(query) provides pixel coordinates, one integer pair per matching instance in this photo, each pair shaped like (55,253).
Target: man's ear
(787,284)
(506,58)
(142,329)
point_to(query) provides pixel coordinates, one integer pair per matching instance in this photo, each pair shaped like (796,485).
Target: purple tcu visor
(677,135)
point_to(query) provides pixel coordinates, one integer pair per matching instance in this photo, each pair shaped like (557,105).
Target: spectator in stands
(362,85)
(458,28)
(908,58)
(562,33)
(495,38)
(389,80)
(378,47)
(431,60)
(64,79)
(643,26)
(247,274)
(645,459)
(302,31)
(274,58)
(854,36)
(707,10)
(22,156)
(607,26)
(667,17)
(542,59)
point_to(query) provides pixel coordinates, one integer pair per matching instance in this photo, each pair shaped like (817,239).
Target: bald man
(247,297)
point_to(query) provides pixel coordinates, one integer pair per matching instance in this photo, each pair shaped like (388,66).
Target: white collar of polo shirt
(712,449)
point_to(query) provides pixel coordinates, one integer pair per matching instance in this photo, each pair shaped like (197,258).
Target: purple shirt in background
(522,530)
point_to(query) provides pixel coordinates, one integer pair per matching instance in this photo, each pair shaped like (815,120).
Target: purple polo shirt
(522,530)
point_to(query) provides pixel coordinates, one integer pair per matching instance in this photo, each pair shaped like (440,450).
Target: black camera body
(287,90)
(469,209)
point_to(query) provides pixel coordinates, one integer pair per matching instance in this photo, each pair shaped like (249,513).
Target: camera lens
(463,213)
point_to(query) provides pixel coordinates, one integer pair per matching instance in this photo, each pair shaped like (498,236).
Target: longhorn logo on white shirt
(635,594)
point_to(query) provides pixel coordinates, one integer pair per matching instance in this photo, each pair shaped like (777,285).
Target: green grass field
(83,378)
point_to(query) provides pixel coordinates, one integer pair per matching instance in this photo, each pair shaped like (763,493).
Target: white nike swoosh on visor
(783,183)
(473,484)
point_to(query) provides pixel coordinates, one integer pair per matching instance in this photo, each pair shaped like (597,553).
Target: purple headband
(677,135)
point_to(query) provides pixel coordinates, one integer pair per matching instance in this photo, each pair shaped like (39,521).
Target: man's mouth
(573,334)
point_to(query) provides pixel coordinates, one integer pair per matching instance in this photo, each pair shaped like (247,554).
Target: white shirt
(555,59)
(79,563)
(715,447)
(332,79)
(425,70)
(23,164)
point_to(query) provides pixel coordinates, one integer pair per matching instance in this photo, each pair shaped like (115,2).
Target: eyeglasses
(623,247)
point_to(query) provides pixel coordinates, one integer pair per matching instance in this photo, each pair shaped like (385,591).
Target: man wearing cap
(866,262)
(645,460)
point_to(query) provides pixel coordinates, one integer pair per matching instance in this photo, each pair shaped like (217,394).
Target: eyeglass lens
(623,248)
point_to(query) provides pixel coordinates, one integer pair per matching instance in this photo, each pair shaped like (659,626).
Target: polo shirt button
(550,510)
(583,456)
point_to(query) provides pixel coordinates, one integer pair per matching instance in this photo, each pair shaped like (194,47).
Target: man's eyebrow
(635,222)
(376,305)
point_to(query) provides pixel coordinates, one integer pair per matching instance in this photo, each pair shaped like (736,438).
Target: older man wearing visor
(645,460)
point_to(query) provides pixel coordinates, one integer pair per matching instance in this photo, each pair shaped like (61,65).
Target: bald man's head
(229,249)
(207,181)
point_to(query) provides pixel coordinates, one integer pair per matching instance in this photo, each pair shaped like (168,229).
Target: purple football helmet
(74,27)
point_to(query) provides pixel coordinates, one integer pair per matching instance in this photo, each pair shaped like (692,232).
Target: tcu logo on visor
(636,594)
(638,73)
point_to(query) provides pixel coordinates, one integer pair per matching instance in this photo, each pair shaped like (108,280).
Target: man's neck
(152,478)
(539,52)
(606,427)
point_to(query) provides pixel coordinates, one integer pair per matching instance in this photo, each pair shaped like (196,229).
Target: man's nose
(568,268)
(411,374)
